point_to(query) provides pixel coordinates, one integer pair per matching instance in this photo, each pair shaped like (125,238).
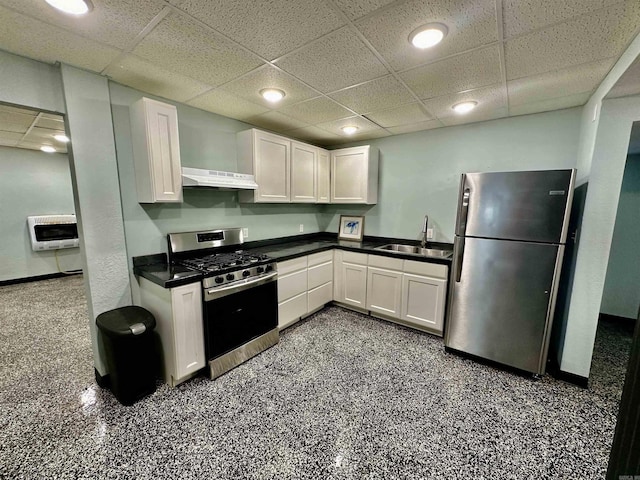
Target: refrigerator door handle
(458,254)
(464,213)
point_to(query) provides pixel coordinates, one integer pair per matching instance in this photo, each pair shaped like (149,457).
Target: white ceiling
(30,129)
(339,61)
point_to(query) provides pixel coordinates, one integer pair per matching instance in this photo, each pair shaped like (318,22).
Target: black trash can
(127,337)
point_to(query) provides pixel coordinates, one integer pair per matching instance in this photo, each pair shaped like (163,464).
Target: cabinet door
(156,151)
(323,177)
(272,158)
(384,289)
(303,173)
(423,301)
(186,303)
(354,285)
(349,175)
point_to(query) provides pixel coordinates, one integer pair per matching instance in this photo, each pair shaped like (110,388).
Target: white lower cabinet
(350,278)
(423,300)
(305,285)
(178,314)
(384,288)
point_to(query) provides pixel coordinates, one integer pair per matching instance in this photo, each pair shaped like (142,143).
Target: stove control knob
(219,279)
(260,269)
(230,276)
(246,273)
(269,268)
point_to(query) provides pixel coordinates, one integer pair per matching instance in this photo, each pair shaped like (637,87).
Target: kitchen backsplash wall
(32,183)
(207,140)
(420,172)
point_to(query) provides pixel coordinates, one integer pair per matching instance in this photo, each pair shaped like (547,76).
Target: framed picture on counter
(351,228)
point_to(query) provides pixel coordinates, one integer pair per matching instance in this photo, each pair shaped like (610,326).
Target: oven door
(235,315)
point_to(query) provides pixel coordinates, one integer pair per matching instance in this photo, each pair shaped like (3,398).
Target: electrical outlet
(429,233)
(245,232)
(301,228)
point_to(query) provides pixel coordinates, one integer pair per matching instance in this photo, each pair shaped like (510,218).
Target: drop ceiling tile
(112,22)
(316,111)
(312,134)
(470,24)
(225,103)
(415,127)
(267,76)
(185,47)
(355,9)
(43,135)
(364,126)
(462,72)
(275,121)
(24,111)
(601,35)
(336,61)
(628,83)
(35,39)
(377,94)
(15,122)
(405,115)
(269,28)
(521,16)
(138,73)
(9,139)
(550,104)
(475,116)
(560,83)
(489,99)
(52,123)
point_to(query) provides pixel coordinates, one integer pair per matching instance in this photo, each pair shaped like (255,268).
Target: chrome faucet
(423,242)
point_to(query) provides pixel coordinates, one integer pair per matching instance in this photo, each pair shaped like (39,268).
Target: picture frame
(351,228)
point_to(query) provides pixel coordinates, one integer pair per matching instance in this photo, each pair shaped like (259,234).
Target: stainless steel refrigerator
(511,229)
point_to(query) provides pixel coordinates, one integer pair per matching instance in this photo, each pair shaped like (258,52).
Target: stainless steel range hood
(199,177)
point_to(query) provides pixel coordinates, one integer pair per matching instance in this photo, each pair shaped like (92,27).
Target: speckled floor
(343,396)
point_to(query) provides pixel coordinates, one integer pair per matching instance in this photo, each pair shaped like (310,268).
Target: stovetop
(224,262)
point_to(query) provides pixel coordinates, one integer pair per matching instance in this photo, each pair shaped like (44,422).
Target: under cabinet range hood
(199,177)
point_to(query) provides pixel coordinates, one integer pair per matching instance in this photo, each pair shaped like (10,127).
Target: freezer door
(528,206)
(501,300)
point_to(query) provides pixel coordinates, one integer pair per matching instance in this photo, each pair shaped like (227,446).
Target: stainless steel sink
(414,250)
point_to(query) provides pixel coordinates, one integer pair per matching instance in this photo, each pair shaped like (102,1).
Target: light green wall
(30,83)
(621,296)
(32,183)
(420,172)
(207,140)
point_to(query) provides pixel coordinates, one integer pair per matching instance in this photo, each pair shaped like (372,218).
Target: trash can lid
(119,321)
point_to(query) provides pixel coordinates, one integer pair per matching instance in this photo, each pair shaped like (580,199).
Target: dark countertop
(156,269)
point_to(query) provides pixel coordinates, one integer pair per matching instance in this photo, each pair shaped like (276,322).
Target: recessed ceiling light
(464,107)
(74,7)
(61,138)
(47,149)
(350,129)
(272,95)
(428,35)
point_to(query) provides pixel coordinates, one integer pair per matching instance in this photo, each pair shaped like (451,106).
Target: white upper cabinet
(354,175)
(304,168)
(268,157)
(156,151)
(323,176)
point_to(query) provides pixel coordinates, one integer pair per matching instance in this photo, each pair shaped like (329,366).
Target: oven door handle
(213,293)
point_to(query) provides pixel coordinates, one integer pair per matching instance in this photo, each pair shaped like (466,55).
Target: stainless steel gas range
(240,298)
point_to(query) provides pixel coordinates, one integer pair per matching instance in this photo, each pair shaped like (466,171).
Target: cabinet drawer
(423,268)
(322,257)
(292,284)
(353,257)
(289,311)
(291,266)
(320,295)
(320,274)
(385,262)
